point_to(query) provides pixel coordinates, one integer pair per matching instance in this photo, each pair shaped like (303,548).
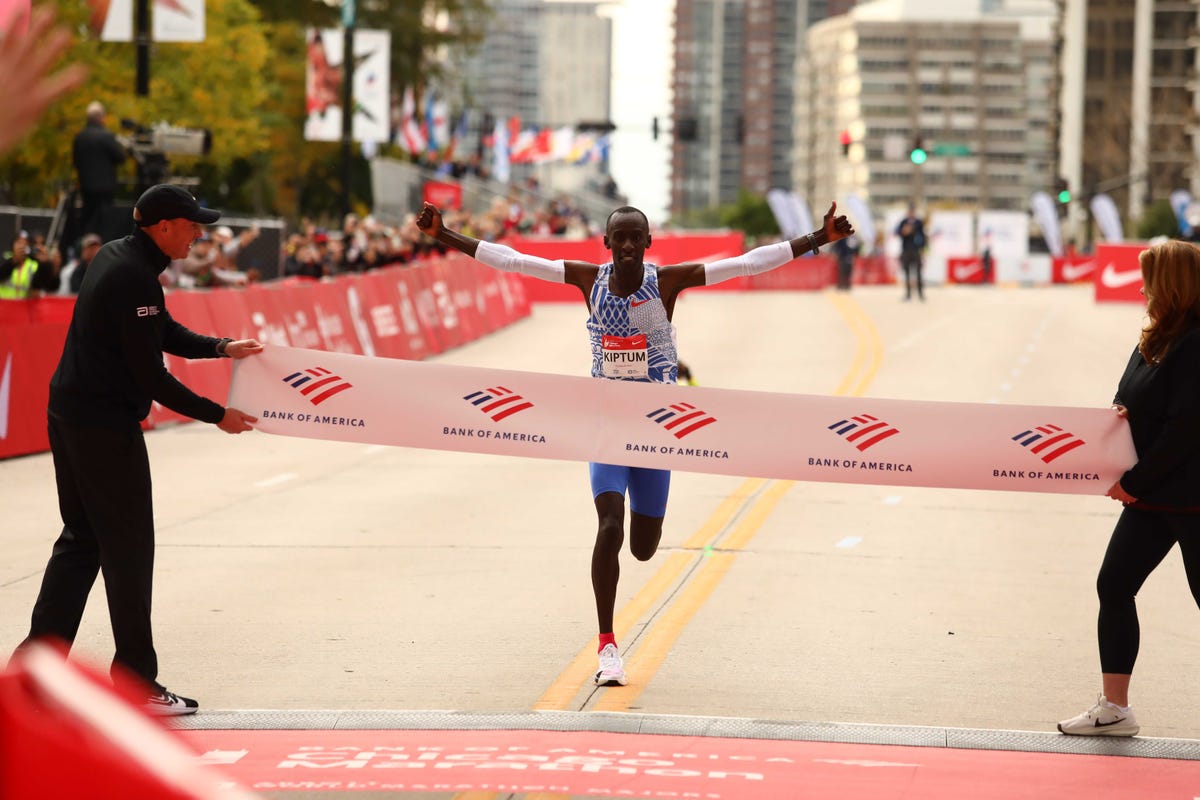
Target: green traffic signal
(918,155)
(1064,196)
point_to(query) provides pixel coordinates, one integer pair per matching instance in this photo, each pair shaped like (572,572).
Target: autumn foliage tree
(245,83)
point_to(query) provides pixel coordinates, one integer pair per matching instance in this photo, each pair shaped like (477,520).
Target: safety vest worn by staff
(17,286)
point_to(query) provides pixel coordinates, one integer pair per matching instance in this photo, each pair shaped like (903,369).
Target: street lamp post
(348,19)
(142,36)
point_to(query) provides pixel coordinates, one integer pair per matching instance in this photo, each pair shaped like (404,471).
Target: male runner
(631,304)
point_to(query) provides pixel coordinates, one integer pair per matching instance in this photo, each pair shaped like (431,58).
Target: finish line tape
(317,394)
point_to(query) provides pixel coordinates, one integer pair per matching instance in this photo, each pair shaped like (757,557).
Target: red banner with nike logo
(1118,275)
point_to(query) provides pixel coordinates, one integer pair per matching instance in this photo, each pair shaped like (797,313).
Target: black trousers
(104,497)
(91,215)
(1139,543)
(911,264)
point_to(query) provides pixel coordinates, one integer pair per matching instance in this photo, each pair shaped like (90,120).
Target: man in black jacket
(110,371)
(96,154)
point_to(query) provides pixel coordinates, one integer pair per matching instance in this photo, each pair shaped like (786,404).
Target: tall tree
(218,84)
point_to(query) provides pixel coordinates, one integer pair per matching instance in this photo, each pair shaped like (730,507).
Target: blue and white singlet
(632,339)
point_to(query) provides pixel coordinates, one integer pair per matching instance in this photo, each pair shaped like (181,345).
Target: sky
(642,42)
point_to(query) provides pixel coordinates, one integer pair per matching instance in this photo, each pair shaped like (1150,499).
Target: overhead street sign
(951,149)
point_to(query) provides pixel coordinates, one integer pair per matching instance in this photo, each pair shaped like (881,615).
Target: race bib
(626,356)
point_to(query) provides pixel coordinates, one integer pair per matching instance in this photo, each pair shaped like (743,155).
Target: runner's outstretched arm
(768,257)
(676,278)
(498,256)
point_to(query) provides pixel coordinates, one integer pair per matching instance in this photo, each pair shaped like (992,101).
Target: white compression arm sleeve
(506,259)
(760,259)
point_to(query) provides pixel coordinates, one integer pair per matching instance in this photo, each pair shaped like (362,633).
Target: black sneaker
(168,704)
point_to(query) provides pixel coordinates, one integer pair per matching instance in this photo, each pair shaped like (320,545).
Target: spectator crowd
(34,267)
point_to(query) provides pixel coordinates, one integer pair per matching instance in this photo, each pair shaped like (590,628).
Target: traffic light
(1064,190)
(918,154)
(845,139)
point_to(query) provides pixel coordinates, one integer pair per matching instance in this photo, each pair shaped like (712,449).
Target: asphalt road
(298,574)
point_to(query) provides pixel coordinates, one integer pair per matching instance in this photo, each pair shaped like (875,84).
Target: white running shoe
(162,703)
(1102,719)
(612,668)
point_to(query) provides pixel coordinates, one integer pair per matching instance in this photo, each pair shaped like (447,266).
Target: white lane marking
(862,762)
(849,541)
(276,480)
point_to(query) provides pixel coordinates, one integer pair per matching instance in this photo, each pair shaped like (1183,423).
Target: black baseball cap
(167,201)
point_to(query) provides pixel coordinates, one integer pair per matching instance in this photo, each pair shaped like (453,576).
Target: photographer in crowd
(96,154)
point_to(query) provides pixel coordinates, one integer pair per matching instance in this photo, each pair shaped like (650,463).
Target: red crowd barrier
(397,312)
(54,712)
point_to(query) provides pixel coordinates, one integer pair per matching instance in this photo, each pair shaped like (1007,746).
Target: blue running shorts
(647,487)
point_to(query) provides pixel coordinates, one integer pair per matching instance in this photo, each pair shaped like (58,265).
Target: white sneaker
(1102,719)
(162,703)
(612,668)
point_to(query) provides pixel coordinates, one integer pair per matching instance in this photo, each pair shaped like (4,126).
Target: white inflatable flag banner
(317,394)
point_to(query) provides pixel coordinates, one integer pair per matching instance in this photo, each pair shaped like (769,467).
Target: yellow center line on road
(655,645)
(566,686)
(661,634)
(699,570)
(868,347)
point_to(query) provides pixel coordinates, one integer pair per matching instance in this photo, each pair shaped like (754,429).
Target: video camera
(166,138)
(150,146)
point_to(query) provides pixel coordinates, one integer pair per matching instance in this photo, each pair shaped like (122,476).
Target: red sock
(606,639)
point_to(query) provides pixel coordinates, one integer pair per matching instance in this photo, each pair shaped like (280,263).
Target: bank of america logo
(317,384)
(498,402)
(1048,442)
(863,431)
(681,418)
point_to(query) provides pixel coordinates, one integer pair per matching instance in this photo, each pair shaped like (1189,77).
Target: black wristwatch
(221,345)
(812,244)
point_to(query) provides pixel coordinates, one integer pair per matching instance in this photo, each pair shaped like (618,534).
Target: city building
(733,106)
(548,64)
(1128,100)
(969,84)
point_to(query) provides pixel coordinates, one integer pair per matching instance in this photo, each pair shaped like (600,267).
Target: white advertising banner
(118,22)
(345,397)
(371,92)
(179,21)
(171,21)
(1007,234)
(951,234)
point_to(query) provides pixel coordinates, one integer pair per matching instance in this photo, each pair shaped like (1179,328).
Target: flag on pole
(456,137)
(410,137)
(501,167)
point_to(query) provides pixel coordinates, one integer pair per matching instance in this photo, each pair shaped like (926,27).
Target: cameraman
(96,154)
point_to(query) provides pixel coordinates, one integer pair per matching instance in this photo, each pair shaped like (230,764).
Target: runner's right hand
(430,220)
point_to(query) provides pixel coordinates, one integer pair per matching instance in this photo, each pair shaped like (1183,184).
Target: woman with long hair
(1159,394)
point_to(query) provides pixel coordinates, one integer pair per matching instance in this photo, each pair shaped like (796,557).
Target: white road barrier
(323,395)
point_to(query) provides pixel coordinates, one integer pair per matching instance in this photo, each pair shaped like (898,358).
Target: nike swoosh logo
(962,273)
(5,392)
(636,303)
(1115,279)
(1100,724)
(1073,272)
